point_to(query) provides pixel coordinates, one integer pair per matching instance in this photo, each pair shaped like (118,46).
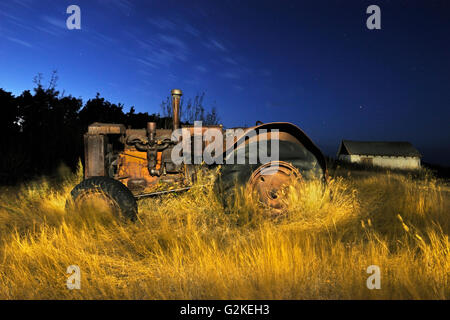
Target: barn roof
(378,148)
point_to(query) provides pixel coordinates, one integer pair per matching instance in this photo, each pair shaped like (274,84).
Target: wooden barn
(389,154)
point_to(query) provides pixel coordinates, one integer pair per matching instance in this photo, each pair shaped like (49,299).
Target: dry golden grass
(188,247)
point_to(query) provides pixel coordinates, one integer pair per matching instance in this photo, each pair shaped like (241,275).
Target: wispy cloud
(216,45)
(100,36)
(24,3)
(202,69)
(230,60)
(162,23)
(143,43)
(48,30)
(230,75)
(53,26)
(10,16)
(161,50)
(125,6)
(172,41)
(16,21)
(168,25)
(58,23)
(146,62)
(21,42)
(160,57)
(192,30)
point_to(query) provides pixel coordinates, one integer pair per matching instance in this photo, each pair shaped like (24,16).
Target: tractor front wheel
(105,193)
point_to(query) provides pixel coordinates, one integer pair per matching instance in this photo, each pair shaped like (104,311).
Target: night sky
(313,63)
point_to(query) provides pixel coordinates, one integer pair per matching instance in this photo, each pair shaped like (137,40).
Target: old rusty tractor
(123,165)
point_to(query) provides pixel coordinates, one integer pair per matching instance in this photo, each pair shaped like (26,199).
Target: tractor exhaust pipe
(176,95)
(151,131)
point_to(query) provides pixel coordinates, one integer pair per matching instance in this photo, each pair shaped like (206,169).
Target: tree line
(43,128)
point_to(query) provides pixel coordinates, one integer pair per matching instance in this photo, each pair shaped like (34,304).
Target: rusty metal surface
(151,131)
(176,96)
(132,167)
(270,182)
(133,172)
(106,128)
(200,131)
(94,153)
(142,133)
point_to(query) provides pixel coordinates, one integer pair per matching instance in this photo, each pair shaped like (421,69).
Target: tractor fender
(292,130)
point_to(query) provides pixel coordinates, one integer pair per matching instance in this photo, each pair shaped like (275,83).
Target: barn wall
(388,162)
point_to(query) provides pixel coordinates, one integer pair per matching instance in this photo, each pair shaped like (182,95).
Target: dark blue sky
(313,63)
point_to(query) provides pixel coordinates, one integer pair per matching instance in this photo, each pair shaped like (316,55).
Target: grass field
(188,247)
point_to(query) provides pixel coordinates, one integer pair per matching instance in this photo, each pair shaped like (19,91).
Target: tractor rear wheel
(105,193)
(270,183)
(269,180)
